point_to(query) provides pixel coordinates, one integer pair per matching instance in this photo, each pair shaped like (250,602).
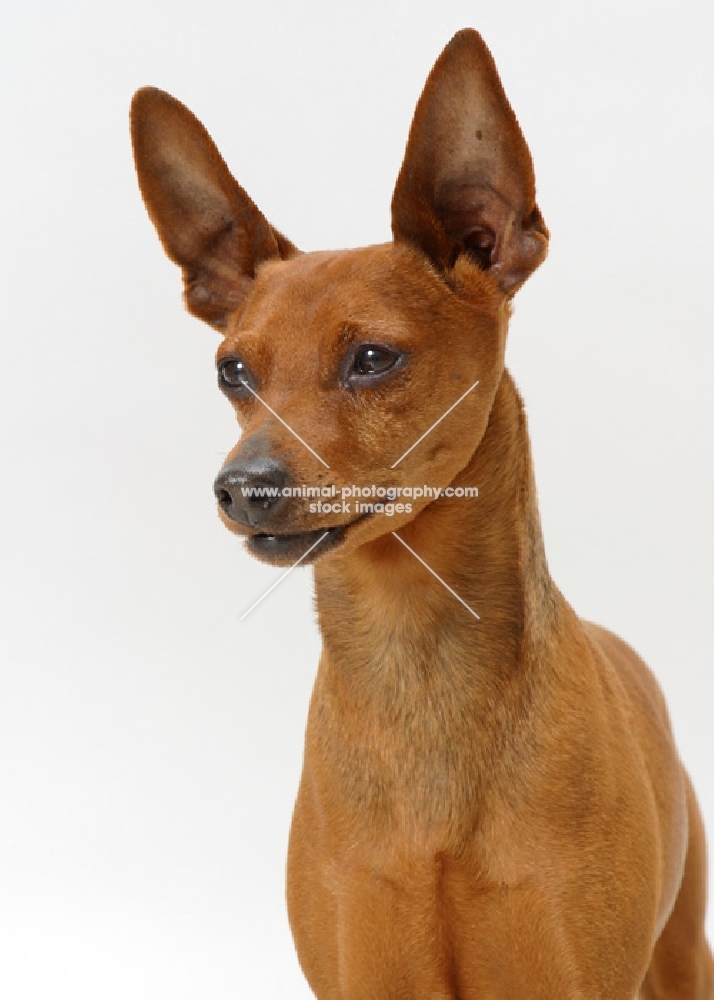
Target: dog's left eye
(374,360)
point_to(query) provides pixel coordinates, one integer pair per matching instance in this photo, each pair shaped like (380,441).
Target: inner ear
(467,185)
(470,222)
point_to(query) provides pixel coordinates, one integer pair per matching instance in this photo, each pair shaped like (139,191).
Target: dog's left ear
(467,183)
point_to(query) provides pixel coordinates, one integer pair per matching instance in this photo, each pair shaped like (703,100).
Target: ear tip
(148,100)
(468,53)
(468,39)
(146,95)
(467,36)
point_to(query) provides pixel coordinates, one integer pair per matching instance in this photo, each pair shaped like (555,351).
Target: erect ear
(205,220)
(467,182)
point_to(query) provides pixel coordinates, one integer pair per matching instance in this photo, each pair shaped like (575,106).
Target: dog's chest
(409,744)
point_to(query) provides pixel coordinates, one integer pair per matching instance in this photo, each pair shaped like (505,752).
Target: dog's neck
(383,615)
(423,710)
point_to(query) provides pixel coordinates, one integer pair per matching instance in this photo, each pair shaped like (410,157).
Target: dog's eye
(233,374)
(374,360)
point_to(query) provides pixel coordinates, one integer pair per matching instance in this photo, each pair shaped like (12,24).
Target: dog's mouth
(304,547)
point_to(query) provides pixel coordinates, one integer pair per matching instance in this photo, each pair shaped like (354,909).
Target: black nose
(250,490)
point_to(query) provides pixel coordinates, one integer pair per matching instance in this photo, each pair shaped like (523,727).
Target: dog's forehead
(320,269)
(326,288)
(389,293)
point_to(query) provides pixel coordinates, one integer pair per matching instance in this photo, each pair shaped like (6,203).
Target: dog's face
(337,363)
(359,352)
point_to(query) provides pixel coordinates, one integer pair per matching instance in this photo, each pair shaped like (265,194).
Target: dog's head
(337,363)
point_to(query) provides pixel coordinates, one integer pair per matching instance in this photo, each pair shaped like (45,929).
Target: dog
(491,802)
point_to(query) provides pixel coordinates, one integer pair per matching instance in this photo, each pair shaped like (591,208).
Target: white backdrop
(150,743)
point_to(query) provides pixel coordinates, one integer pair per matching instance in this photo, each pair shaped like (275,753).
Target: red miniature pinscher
(491,805)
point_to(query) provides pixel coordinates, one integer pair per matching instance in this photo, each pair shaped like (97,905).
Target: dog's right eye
(233,375)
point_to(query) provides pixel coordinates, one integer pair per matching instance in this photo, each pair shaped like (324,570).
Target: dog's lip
(305,546)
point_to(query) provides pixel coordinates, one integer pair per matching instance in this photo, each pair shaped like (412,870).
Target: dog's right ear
(205,220)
